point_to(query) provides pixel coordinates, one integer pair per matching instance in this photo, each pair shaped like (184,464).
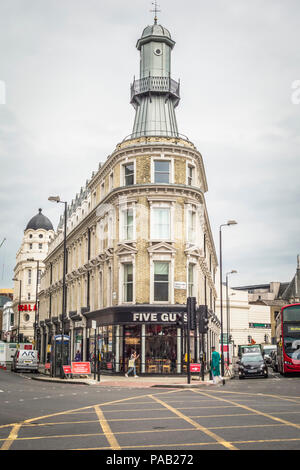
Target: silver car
(25,359)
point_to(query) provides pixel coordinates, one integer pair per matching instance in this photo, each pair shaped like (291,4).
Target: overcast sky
(67,66)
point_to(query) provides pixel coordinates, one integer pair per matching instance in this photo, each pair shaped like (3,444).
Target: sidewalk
(131,382)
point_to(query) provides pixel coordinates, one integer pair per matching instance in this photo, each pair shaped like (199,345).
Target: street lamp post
(36,306)
(19,307)
(36,318)
(230,222)
(228,313)
(57,199)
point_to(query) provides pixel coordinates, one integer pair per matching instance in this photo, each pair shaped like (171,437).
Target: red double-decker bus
(288,339)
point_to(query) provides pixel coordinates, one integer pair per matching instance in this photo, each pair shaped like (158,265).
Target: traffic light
(179,320)
(191,312)
(249,339)
(203,319)
(230,338)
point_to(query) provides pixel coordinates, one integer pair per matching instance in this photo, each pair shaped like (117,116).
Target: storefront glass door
(132,342)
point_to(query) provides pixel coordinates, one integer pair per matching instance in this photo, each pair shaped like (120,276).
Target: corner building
(138,239)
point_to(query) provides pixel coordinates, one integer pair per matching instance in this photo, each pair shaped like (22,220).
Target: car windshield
(254,358)
(269,350)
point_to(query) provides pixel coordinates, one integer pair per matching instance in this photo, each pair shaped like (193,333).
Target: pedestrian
(78,356)
(215,366)
(131,364)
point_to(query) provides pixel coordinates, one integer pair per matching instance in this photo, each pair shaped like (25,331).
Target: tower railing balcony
(155,84)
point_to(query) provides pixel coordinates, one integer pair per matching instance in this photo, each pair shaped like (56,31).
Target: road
(253,414)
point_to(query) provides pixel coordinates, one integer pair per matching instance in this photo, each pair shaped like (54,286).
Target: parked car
(266,352)
(274,363)
(25,359)
(251,365)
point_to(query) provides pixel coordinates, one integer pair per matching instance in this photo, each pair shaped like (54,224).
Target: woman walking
(131,364)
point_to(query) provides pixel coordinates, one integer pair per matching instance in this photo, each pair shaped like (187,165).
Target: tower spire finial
(155,11)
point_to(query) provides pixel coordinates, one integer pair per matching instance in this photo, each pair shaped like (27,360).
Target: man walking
(215,366)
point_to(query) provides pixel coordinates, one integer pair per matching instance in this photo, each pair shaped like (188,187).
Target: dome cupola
(39,221)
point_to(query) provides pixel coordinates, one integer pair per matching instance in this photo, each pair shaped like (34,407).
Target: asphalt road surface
(253,414)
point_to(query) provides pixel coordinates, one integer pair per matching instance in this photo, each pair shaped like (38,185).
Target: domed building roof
(39,221)
(156,30)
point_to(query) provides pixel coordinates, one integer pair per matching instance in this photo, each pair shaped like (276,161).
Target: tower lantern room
(155,94)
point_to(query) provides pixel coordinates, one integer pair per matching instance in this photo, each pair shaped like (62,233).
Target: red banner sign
(81,368)
(67,369)
(195,367)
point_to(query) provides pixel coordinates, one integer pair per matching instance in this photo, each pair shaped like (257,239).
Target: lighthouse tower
(155,94)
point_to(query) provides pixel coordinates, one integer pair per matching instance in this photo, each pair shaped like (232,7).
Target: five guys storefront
(150,330)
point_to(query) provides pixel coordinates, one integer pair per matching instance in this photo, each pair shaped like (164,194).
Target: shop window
(161,281)
(161,349)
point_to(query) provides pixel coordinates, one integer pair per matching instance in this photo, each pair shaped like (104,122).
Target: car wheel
(241,378)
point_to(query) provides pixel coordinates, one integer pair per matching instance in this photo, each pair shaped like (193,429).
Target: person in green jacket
(215,365)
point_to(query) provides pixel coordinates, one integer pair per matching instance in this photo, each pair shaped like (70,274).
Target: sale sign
(81,368)
(67,369)
(195,367)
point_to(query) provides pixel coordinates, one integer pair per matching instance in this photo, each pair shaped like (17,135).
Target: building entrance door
(131,343)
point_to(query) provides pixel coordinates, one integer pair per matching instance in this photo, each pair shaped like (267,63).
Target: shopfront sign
(58,338)
(26,308)
(145,317)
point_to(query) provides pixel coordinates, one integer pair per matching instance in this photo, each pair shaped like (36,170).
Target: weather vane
(156,10)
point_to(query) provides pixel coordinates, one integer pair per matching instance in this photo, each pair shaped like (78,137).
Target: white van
(25,359)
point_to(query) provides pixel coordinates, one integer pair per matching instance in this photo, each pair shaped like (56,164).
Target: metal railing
(156,85)
(156,133)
